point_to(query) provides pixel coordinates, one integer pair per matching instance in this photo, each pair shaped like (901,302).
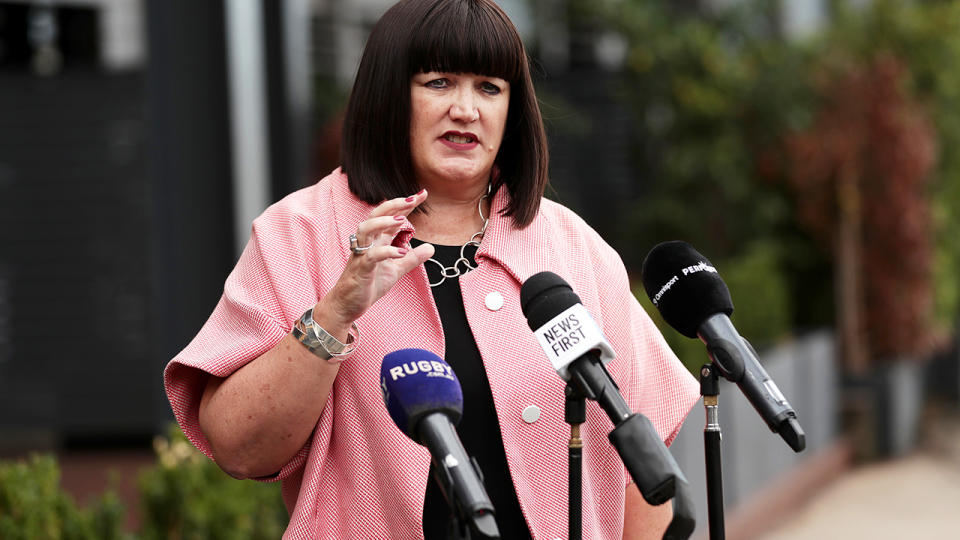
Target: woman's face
(456,125)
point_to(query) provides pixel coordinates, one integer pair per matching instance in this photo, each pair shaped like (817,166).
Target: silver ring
(355,246)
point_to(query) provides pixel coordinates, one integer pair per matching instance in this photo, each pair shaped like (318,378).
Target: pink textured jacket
(359,476)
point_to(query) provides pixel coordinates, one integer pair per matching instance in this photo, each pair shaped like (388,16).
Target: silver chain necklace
(462,265)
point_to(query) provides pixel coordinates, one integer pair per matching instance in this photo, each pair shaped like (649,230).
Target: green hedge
(187,496)
(34,507)
(183,496)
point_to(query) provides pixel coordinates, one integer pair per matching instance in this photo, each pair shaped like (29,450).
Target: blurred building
(138,140)
(75,201)
(116,201)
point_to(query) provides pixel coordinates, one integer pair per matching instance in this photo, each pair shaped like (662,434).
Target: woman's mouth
(459,140)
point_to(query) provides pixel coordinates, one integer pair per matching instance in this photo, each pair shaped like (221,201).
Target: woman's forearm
(260,416)
(642,521)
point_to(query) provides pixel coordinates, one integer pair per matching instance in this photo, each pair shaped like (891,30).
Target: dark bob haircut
(457,36)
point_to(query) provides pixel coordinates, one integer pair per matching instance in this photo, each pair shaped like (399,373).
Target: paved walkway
(916,496)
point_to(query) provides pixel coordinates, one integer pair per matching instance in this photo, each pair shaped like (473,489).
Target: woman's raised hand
(368,276)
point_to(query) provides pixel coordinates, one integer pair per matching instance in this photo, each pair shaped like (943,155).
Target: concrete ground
(914,496)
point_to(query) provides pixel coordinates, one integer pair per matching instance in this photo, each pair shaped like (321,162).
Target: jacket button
(531,414)
(494,301)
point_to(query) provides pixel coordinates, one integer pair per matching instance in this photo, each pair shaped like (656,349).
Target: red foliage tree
(859,175)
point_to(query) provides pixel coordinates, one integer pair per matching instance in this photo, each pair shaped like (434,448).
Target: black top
(479,429)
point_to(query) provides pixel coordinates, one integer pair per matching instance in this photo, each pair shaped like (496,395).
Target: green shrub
(184,496)
(34,507)
(761,299)
(187,496)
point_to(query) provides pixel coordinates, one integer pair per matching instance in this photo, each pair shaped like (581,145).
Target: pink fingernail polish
(399,218)
(403,251)
(409,199)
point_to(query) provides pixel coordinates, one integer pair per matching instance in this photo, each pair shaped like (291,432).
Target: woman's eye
(490,88)
(438,83)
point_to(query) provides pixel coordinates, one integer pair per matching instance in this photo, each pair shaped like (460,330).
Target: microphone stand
(575,413)
(710,390)
(464,528)
(634,437)
(463,523)
(470,527)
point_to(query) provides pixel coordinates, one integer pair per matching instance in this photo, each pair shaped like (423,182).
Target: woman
(443,158)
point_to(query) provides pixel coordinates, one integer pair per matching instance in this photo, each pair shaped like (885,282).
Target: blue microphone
(423,397)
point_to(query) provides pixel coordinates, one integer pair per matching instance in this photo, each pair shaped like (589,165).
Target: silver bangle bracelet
(320,342)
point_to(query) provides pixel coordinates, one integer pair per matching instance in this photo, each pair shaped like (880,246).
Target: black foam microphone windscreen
(684,286)
(543,296)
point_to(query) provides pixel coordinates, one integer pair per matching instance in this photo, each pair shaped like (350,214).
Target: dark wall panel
(115,225)
(74,253)
(189,169)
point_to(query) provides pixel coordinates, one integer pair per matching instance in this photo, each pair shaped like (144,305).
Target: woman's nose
(464,109)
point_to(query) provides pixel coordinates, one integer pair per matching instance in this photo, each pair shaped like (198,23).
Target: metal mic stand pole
(464,523)
(575,413)
(710,390)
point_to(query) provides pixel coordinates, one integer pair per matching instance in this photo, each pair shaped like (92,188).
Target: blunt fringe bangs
(458,36)
(467,37)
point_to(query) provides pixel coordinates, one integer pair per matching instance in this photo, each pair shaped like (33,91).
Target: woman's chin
(464,174)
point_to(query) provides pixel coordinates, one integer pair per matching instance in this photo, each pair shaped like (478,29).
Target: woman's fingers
(401,206)
(378,254)
(406,259)
(370,230)
(385,221)
(370,275)
(387,218)
(415,257)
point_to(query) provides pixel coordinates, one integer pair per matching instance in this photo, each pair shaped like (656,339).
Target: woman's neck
(448,221)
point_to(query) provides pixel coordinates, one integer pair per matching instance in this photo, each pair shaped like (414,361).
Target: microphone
(695,301)
(423,397)
(577,349)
